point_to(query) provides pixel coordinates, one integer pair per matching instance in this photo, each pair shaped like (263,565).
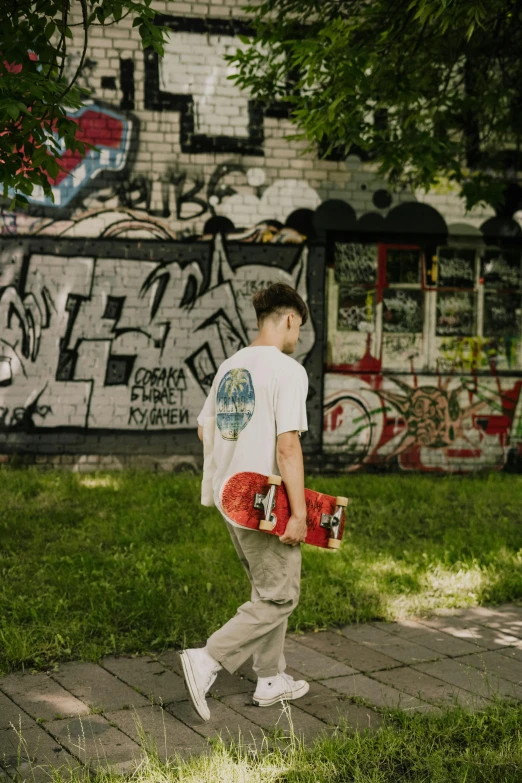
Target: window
(403,299)
(456,297)
(502,285)
(388,311)
(356,274)
(478,309)
(376,293)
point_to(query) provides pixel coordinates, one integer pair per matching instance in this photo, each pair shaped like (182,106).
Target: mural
(123,344)
(162,169)
(424,332)
(424,345)
(185,150)
(110,132)
(460,424)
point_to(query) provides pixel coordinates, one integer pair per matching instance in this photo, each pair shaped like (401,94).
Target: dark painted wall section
(110,346)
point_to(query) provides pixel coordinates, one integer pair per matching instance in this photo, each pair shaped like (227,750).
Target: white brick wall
(193,66)
(171,183)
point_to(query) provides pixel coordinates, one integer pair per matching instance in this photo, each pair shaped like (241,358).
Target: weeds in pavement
(452,747)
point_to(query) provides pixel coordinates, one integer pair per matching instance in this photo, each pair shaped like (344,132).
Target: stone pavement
(98,715)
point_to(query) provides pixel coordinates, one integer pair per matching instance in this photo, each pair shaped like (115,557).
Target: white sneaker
(272,689)
(200,670)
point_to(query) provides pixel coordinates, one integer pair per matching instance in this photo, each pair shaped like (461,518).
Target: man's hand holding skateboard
(281,505)
(295,532)
(290,462)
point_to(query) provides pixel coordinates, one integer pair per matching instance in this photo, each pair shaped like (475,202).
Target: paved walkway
(87,713)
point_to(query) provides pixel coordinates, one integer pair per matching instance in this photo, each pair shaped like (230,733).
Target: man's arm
(200,432)
(290,462)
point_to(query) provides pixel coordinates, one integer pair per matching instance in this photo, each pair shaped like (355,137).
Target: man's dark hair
(276,299)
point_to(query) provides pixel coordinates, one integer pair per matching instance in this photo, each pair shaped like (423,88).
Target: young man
(258,399)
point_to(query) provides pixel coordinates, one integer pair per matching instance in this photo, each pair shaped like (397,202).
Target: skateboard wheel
(276,480)
(334,543)
(265,524)
(340,501)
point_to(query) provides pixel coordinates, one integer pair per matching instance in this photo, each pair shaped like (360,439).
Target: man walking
(258,399)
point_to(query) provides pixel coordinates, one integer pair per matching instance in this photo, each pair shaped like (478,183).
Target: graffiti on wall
(202,113)
(186,194)
(122,344)
(192,78)
(460,424)
(109,134)
(186,147)
(421,353)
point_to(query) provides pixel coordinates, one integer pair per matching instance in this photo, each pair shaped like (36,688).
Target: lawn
(92,564)
(453,747)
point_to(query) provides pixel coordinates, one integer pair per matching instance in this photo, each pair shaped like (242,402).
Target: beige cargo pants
(259,627)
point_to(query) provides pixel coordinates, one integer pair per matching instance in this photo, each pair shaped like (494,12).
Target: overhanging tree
(36,90)
(429,89)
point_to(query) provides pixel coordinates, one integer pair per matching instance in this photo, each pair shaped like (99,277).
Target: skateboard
(261,503)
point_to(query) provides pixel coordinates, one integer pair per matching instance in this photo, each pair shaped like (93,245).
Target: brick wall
(118,301)
(109,347)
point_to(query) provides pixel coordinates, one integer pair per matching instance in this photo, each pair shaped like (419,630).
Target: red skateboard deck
(255,501)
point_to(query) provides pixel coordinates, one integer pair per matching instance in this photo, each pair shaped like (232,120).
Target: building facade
(119,300)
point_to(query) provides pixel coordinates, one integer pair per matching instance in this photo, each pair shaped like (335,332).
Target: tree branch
(71,84)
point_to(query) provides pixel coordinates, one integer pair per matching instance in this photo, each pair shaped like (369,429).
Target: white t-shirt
(257,394)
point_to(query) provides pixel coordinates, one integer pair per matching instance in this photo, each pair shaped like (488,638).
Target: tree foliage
(430,89)
(37,89)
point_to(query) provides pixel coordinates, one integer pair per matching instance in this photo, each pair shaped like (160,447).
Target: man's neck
(267,338)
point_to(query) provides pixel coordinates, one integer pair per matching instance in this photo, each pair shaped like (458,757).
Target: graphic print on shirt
(235,403)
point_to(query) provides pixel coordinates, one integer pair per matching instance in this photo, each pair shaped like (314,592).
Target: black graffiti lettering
(127,84)
(168,377)
(135,192)
(157,396)
(184,194)
(159,417)
(178,377)
(156,416)
(93,317)
(139,376)
(137,416)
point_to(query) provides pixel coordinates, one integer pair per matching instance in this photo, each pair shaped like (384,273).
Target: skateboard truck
(267,502)
(332,522)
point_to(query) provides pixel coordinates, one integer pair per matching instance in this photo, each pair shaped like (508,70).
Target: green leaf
(13,109)
(38,156)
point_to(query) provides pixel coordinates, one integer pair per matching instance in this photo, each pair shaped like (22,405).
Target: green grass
(103,563)
(454,747)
